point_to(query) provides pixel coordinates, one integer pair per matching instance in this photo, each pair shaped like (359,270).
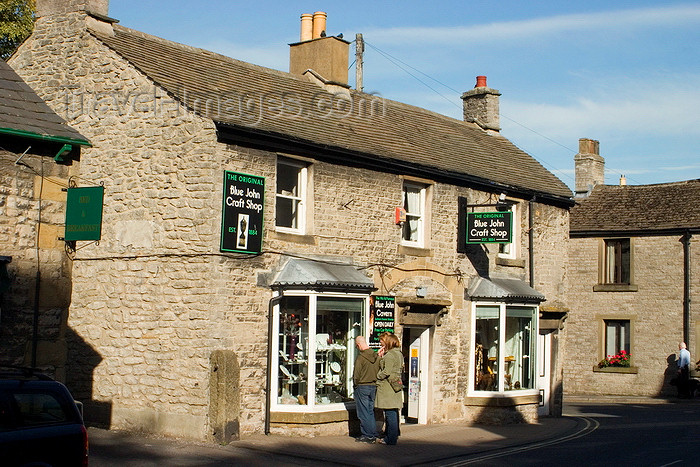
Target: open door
(417,354)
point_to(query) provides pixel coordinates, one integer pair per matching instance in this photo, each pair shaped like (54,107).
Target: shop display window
(316,348)
(505,346)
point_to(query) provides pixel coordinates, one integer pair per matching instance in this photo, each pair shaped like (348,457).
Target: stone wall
(155,299)
(655,311)
(32,214)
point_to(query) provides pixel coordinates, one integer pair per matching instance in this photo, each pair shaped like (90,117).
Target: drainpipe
(531,240)
(274,301)
(686,285)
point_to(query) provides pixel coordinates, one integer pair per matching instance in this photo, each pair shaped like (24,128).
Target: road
(655,434)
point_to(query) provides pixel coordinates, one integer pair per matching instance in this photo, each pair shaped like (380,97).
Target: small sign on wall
(381,317)
(489,227)
(242,213)
(84,213)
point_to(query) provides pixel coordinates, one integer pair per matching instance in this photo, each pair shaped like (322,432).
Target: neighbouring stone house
(632,279)
(255,221)
(36,147)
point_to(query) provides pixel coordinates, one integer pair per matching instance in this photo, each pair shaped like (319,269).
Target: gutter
(47,138)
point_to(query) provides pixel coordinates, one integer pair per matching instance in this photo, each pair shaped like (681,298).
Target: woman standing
(388,381)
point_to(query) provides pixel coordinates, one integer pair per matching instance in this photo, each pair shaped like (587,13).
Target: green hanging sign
(84,213)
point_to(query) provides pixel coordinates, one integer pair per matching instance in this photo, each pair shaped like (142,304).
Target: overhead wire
(403,66)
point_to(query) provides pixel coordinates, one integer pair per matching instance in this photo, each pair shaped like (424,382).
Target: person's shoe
(365,439)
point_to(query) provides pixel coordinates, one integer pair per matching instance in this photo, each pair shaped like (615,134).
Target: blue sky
(626,73)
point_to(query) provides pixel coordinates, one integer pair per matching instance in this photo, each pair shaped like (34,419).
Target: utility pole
(359,50)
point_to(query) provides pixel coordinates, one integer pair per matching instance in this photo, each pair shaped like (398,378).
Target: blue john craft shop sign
(489,227)
(242,215)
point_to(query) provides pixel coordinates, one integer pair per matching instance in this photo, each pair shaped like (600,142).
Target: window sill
(293,238)
(615,288)
(502,400)
(617,369)
(414,251)
(512,262)
(302,418)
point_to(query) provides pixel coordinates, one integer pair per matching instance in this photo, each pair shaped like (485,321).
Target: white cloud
(617,20)
(622,106)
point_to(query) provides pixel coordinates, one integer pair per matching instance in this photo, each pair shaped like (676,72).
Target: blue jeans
(391,417)
(364,402)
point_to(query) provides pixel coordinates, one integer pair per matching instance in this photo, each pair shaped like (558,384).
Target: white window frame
(471,392)
(421,216)
(311,405)
(510,250)
(302,181)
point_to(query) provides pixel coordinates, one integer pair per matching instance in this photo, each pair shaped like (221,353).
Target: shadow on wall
(80,368)
(668,387)
(478,256)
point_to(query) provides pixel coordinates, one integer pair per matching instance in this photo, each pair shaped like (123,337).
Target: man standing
(683,371)
(364,378)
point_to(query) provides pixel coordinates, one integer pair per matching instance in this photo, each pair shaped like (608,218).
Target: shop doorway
(416,350)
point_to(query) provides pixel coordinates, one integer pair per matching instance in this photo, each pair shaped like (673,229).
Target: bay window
(315,350)
(505,340)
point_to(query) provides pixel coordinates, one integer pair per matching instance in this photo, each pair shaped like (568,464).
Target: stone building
(36,147)
(632,279)
(255,221)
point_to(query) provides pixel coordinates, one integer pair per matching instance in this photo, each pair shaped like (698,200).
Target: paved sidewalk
(418,445)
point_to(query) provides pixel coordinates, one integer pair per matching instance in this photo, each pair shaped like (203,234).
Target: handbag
(396,383)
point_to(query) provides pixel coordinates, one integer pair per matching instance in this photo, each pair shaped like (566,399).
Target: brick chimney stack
(590,167)
(57,7)
(480,106)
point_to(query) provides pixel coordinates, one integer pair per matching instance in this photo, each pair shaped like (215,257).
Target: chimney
(623,180)
(480,106)
(326,56)
(57,7)
(590,167)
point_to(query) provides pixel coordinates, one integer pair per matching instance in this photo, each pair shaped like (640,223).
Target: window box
(616,369)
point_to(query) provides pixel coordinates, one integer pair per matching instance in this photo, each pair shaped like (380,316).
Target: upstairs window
(291,195)
(510,250)
(617,262)
(413,232)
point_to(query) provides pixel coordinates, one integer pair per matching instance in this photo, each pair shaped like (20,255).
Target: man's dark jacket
(366,368)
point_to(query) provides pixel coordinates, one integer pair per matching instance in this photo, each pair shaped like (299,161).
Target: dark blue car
(40,423)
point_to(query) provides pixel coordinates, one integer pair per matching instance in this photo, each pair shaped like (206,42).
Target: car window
(39,409)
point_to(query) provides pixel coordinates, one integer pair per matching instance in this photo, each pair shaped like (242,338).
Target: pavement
(436,444)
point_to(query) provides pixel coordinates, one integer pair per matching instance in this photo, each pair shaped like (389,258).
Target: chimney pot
(319,24)
(480,82)
(623,180)
(307,20)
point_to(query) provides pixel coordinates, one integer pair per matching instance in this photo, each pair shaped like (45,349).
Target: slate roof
(650,209)
(22,111)
(404,134)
